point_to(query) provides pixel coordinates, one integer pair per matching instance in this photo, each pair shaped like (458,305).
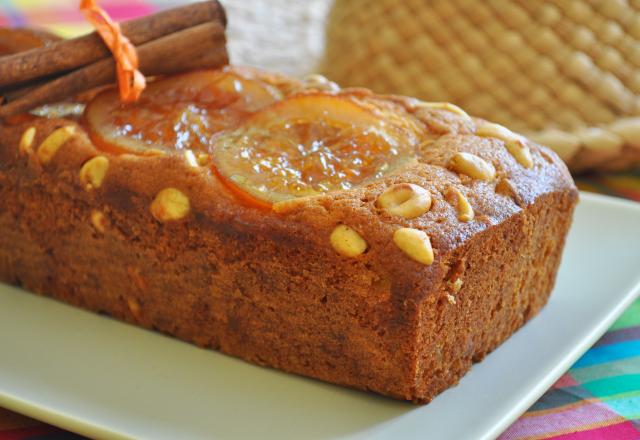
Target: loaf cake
(376,242)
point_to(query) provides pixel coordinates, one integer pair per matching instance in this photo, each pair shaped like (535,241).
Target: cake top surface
(359,174)
(269,138)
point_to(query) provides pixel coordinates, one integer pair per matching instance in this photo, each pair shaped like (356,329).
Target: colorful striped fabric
(625,185)
(63,16)
(598,398)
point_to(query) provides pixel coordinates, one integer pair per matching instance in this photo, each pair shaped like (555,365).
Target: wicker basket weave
(565,72)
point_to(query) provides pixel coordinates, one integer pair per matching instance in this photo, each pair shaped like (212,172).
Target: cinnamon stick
(18,40)
(71,54)
(13,93)
(201,46)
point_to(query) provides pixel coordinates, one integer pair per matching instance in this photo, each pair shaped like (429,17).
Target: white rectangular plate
(102,378)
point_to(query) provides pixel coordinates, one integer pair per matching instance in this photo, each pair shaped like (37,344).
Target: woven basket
(564,72)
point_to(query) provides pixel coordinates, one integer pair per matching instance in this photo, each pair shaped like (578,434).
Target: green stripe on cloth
(612,386)
(631,317)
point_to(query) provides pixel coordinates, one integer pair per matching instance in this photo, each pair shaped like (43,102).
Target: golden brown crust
(268,286)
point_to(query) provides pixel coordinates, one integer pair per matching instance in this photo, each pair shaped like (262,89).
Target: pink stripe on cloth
(565,381)
(559,421)
(42,17)
(620,431)
(127,11)
(71,13)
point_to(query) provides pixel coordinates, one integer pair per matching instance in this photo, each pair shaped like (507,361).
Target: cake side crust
(493,285)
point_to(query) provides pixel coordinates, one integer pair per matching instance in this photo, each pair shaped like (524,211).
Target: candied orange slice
(176,113)
(306,145)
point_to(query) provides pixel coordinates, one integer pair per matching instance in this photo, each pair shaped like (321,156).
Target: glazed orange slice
(306,145)
(180,112)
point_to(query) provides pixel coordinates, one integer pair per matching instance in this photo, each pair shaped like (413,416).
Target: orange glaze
(241,194)
(101,144)
(264,148)
(176,113)
(306,145)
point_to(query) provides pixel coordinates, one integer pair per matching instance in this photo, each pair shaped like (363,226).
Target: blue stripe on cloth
(627,407)
(608,353)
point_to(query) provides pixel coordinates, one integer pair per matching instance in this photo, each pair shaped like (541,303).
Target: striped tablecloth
(598,398)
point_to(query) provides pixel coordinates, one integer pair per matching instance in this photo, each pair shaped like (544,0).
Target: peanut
(347,242)
(514,143)
(93,172)
(472,166)
(415,244)
(26,141)
(444,106)
(405,200)
(170,204)
(50,146)
(98,221)
(457,199)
